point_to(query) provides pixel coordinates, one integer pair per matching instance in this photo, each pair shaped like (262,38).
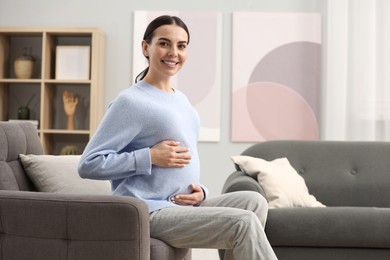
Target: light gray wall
(115,19)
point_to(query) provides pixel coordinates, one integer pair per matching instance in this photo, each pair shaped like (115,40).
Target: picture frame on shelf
(73,62)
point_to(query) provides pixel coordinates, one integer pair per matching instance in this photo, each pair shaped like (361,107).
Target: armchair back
(15,139)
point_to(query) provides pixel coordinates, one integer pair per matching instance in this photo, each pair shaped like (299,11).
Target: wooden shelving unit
(45,90)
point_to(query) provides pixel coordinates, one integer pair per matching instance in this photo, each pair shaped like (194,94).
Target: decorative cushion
(282,185)
(58,174)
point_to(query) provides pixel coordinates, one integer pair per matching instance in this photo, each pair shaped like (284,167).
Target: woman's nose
(173,51)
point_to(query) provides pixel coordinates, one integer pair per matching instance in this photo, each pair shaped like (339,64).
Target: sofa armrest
(239,181)
(36,225)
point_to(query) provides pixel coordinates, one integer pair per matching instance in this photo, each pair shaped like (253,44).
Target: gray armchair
(38,225)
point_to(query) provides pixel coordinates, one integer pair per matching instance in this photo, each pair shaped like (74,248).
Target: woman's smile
(170,63)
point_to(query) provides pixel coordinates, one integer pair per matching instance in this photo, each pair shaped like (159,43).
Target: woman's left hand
(196,197)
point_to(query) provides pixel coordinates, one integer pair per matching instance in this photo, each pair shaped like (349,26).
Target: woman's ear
(145,49)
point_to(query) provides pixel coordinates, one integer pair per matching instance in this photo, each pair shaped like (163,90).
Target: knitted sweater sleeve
(106,156)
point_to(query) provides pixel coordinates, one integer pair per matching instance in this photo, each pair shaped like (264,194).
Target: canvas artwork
(276,81)
(200,78)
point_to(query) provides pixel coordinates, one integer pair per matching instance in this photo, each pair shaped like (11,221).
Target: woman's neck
(163,84)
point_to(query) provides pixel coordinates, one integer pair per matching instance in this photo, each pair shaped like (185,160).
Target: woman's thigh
(213,224)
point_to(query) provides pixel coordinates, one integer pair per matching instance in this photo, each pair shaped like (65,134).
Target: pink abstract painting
(276,81)
(200,78)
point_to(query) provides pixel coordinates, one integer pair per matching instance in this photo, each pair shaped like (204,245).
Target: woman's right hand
(170,154)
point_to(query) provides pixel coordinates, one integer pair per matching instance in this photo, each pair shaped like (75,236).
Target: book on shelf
(34,122)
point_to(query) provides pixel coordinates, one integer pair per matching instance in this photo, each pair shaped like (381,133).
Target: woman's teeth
(170,63)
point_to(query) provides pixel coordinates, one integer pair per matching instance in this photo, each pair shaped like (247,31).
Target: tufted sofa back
(338,173)
(15,139)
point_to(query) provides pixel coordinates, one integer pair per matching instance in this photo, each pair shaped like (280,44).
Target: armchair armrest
(239,181)
(37,225)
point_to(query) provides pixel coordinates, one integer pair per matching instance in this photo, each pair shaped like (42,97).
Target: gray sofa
(351,178)
(37,225)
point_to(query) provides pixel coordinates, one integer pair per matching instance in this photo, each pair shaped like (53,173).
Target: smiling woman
(166,53)
(201,83)
(171,43)
(146,145)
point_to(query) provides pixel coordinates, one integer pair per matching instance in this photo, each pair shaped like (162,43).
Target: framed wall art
(276,81)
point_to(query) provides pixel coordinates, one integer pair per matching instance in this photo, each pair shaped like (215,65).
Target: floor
(205,254)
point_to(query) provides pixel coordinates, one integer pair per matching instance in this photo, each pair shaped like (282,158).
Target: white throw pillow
(282,185)
(58,174)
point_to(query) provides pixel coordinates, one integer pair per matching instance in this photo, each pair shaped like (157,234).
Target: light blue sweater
(140,117)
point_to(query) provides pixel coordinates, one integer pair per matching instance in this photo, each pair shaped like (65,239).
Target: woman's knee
(255,199)
(258,205)
(248,220)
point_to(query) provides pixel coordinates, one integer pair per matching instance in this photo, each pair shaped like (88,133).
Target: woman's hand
(170,154)
(196,197)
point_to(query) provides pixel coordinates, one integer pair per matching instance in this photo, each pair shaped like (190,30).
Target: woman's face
(167,51)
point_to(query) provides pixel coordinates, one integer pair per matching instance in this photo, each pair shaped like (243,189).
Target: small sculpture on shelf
(24,66)
(70,150)
(24,110)
(70,104)
(24,113)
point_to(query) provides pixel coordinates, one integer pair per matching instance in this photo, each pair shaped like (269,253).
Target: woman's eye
(182,46)
(164,44)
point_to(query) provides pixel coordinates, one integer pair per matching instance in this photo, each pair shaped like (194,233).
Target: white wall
(115,19)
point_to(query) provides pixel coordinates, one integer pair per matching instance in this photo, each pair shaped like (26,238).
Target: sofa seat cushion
(329,227)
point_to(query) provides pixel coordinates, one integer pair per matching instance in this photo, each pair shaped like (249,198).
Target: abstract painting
(276,76)
(200,78)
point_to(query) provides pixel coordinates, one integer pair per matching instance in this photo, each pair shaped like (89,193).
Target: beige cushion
(282,185)
(58,174)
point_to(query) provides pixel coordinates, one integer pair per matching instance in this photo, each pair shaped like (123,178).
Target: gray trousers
(232,221)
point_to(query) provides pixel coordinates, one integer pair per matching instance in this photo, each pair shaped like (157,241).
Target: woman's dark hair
(149,33)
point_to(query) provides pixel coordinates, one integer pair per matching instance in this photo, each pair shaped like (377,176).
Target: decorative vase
(24,66)
(23,69)
(24,113)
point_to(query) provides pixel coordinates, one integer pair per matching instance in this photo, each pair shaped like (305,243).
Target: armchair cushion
(282,185)
(58,174)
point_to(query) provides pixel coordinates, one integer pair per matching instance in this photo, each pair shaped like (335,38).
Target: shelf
(64,131)
(20,81)
(46,92)
(22,94)
(57,81)
(53,143)
(63,81)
